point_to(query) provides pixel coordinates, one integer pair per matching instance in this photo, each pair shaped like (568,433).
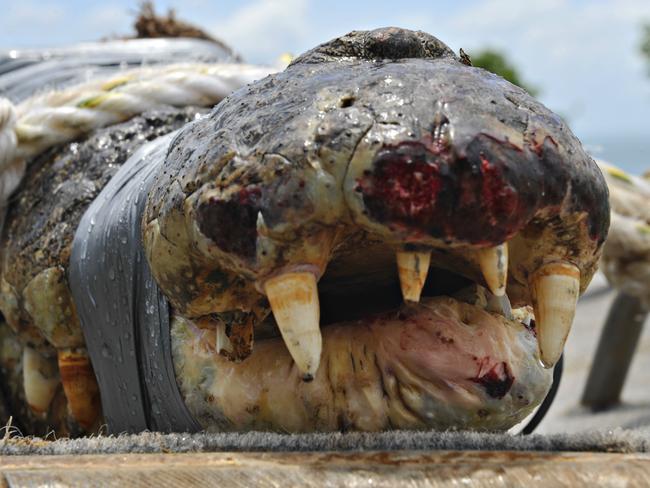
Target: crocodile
(379,237)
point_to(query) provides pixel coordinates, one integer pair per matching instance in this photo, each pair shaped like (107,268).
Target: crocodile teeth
(40,380)
(222,340)
(500,305)
(555,288)
(80,386)
(494,265)
(294,302)
(412,268)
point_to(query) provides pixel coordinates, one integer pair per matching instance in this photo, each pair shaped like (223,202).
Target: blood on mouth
(497,380)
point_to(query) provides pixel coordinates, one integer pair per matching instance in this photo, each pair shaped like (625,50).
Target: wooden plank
(377,469)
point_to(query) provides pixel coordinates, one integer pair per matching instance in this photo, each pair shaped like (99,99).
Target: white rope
(46,120)
(53,118)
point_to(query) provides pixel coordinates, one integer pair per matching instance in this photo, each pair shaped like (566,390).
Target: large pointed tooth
(494,265)
(500,305)
(40,380)
(412,268)
(555,288)
(80,386)
(294,302)
(223,343)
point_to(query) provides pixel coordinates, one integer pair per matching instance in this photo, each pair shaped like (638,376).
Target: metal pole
(616,348)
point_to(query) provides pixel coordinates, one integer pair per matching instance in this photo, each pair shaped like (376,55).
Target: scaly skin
(371,144)
(36,245)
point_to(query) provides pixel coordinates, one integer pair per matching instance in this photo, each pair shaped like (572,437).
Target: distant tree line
(497,63)
(645,44)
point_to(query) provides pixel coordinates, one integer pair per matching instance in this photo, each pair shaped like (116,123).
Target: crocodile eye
(231,222)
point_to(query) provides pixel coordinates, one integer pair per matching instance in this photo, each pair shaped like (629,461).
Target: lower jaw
(440,364)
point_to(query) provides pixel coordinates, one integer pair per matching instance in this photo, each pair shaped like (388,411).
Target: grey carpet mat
(617,440)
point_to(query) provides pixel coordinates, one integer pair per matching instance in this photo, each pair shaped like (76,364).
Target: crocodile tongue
(438,364)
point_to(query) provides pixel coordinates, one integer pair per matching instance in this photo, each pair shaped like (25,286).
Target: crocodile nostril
(347,101)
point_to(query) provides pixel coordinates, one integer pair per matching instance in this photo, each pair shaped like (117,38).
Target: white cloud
(584,55)
(263,29)
(33,13)
(109,20)
(47,24)
(20,16)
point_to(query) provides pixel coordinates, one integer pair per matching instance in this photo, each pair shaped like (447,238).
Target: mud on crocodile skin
(379,237)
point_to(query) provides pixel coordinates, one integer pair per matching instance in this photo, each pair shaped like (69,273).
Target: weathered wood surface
(414,469)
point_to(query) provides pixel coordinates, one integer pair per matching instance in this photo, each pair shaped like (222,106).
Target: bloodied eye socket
(231,224)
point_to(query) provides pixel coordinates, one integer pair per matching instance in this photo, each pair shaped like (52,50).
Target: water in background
(629,152)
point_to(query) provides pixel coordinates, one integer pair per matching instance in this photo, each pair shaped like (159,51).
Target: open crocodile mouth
(358,355)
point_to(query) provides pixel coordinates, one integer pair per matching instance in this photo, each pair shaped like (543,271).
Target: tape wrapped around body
(124,316)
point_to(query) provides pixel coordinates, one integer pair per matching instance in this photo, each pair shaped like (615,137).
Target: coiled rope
(48,119)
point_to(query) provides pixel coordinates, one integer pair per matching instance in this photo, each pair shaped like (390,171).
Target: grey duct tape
(123,314)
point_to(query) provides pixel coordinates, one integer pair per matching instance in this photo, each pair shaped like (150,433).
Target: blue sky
(583,55)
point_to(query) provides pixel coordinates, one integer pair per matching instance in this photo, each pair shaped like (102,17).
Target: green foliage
(645,44)
(497,63)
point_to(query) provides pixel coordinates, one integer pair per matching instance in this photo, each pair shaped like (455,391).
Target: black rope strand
(546,404)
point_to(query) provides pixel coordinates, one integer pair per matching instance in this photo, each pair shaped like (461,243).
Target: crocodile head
(380,236)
